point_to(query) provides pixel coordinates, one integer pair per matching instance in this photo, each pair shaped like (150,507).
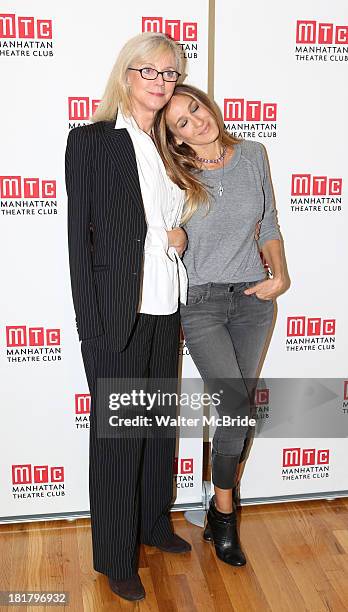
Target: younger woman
(230,307)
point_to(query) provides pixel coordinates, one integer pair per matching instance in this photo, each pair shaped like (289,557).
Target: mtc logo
(18,187)
(184,467)
(28,474)
(238,109)
(305,184)
(175,28)
(20,335)
(80,109)
(311,326)
(306,456)
(82,403)
(308,32)
(261,397)
(12,26)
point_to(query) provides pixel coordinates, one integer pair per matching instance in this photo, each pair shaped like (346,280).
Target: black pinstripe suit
(104,199)
(130,480)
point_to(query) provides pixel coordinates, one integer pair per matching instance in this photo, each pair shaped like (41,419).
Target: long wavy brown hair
(179,160)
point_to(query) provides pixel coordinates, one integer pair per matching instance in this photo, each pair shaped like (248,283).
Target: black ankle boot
(222,529)
(207,534)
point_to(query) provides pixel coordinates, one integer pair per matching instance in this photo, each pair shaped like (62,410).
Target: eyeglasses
(151,74)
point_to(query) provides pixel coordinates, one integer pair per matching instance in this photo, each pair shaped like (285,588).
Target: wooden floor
(297,560)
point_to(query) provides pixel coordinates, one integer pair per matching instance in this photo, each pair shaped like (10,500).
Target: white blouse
(164,274)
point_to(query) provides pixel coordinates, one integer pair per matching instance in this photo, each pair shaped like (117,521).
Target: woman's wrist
(279,276)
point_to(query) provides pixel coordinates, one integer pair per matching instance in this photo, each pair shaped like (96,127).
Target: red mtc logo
(12,26)
(238,109)
(28,474)
(261,397)
(311,326)
(186,466)
(308,32)
(175,28)
(82,403)
(305,184)
(80,109)
(305,456)
(18,187)
(20,335)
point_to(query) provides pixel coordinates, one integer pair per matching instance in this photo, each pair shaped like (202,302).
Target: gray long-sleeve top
(221,243)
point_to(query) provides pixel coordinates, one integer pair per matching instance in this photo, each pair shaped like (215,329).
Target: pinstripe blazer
(106,231)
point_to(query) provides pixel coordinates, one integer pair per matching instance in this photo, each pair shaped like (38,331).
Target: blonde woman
(126,279)
(230,303)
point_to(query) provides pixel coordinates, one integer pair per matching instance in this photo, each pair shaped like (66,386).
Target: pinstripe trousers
(130,479)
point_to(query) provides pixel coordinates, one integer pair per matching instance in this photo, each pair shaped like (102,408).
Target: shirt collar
(129,123)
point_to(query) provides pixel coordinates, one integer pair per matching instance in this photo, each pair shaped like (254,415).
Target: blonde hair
(179,160)
(139,48)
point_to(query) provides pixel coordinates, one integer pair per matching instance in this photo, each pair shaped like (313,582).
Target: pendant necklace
(220,185)
(216,161)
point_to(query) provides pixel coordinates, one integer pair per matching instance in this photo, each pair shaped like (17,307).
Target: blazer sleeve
(78,178)
(269,225)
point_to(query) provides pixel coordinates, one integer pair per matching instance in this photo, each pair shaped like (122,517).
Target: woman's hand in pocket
(268,289)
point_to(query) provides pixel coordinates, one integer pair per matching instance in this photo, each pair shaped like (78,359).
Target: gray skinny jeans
(225,332)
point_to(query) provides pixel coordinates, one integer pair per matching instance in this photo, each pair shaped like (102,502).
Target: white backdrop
(255,60)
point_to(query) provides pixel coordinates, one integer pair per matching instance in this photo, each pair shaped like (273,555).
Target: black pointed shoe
(173,544)
(222,529)
(130,588)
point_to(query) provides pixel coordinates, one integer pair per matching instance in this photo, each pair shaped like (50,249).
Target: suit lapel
(120,148)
